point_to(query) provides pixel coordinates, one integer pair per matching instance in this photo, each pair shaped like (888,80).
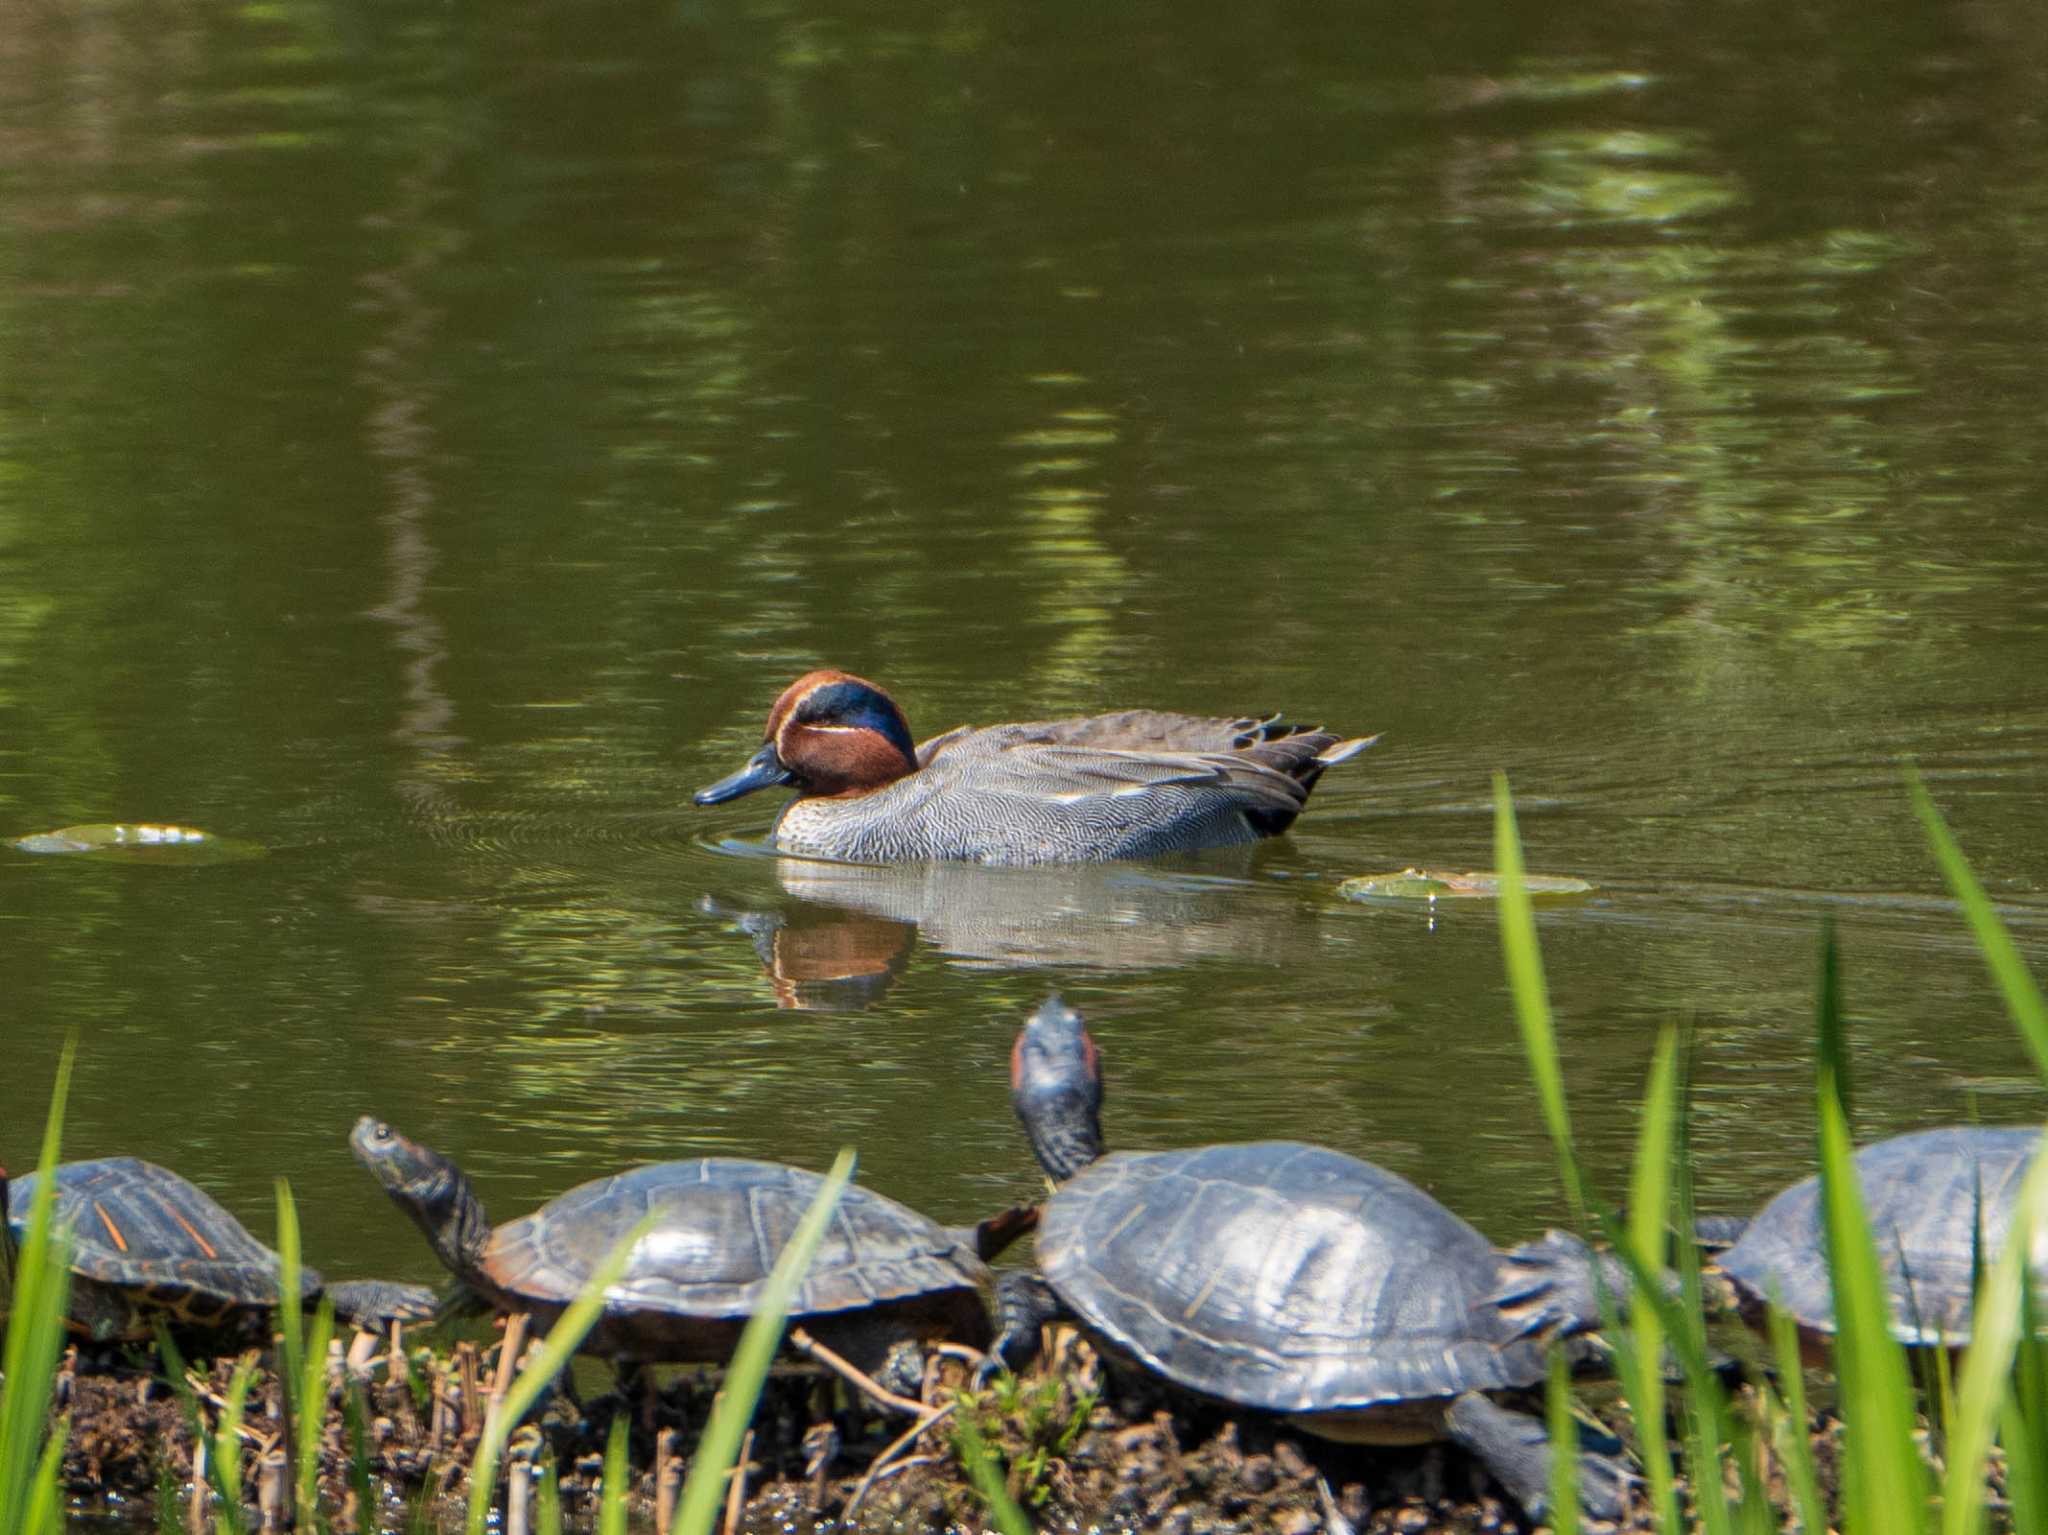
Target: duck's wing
(1268,763)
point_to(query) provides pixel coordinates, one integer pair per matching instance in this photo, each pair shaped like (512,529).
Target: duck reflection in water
(848,930)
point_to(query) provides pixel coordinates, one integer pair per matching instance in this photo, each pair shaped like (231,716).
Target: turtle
(1941,1205)
(148,1244)
(1288,1278)
(883,1274)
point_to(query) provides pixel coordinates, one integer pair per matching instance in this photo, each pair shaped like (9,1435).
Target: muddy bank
(1082,1452)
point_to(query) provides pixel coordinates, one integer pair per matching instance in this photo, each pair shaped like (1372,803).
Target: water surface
(430,439)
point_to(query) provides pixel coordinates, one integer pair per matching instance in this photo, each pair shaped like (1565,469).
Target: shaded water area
(429,439)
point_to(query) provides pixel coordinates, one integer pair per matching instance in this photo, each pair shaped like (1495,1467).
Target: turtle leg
(1025,1304)
(636,1383)
(1516,1449)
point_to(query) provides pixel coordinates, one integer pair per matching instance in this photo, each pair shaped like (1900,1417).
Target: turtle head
(1056,1088)
(429,1188)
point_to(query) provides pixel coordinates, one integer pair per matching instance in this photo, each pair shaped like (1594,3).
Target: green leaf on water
(1411,885)
(139,842)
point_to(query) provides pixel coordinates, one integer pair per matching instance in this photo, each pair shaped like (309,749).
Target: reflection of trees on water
(397,372)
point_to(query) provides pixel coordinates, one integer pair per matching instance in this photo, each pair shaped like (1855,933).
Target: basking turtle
(145,1243)
(1283,1277)
(1941,1206)
(882,1275)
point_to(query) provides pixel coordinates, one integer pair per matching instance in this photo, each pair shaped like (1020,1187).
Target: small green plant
(985,1469)
(303,1361)
(1034,1420)
(226,1459)
(611,1513)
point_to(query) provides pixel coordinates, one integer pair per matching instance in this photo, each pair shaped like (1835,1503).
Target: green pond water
(431,436)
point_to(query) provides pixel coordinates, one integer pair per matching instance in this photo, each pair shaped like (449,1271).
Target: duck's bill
(764,770)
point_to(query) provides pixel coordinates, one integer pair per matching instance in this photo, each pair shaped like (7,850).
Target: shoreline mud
(1083,1452)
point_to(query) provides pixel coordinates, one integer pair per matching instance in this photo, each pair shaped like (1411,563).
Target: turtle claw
(1552,1286)
(1605,1486)
(1516,1449)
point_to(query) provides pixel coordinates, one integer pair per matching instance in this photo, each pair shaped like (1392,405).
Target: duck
(1134,784)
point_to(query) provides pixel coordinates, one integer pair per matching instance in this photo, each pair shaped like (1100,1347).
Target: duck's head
(829,733)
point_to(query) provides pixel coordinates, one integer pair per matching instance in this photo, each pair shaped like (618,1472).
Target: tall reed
(39,1283)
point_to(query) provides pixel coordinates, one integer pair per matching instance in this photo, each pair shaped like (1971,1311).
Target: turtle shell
(144,1240)
(1282,1276)
(721,1223)
(1929,1196)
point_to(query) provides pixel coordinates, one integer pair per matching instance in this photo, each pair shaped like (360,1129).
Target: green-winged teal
(1127,785)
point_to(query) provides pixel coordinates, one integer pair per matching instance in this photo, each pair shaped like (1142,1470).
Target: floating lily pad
(169,844)
(1442,885)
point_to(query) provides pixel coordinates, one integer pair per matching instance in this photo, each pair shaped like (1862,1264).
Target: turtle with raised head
(147,1244)
(1284,1277)
(883,1274)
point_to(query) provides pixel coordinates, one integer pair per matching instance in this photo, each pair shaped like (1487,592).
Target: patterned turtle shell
(143,1241)
(720,1223)
(1283,1276)
(1941,1205)
(147,1244)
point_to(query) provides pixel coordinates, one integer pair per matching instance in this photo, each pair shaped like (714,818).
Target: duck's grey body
(1130,785)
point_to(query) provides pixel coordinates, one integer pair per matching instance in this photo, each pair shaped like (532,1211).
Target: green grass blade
(1793,1423)
(310,1422)
(1564,1447)
(985,1469)
(1987,1367)
(563,1338)
(547,1502)
(227,1452)
(1832,1051)
(1649,1217)
(2022,996)
(355,1422)
(45,1503)
(304,1361)
(1524,961)
(2026,1447)
(611,1504)
(1883,1476)
(40,1290)
(290,1310)
(2024,1469)
(719,1447)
